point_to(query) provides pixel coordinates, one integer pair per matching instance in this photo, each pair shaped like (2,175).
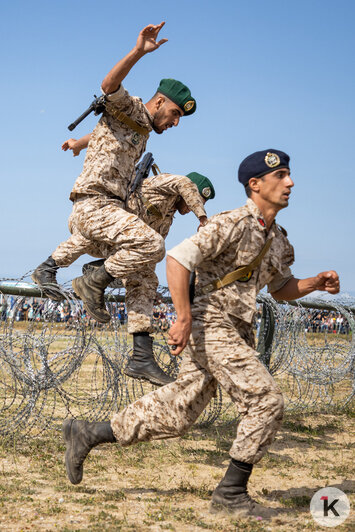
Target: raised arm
(178,281)
(295,288)
(146,43)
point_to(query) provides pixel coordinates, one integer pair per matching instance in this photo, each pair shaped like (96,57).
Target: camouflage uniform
(163,191)
(85,224)
(99,220)
(221,346)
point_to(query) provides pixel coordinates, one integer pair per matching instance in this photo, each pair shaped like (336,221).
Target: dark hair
(248,190)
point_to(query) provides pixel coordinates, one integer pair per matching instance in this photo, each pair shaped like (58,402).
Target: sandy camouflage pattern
(232,239)
(221,346)
(220,351)
(114,149)
(163,191)
(102,228)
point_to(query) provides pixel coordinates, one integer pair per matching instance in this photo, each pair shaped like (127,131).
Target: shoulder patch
(281,229)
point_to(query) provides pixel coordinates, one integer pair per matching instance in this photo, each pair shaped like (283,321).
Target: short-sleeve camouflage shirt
(114,149)
(232,239)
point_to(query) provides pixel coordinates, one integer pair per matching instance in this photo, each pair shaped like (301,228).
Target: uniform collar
(258,217)
(149,116)
(256,214)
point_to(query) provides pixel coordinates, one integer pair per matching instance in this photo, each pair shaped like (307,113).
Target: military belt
(237,274)
(125,119)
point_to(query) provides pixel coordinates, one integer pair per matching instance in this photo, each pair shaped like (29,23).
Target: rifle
(142,171)
(97,106)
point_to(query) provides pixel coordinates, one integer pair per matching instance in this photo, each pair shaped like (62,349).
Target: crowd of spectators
(35,309)
(320,321)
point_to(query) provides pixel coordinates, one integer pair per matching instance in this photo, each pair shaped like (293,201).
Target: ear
(254,184)
(159,102)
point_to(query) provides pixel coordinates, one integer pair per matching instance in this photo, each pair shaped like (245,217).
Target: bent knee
(158,248)
(276,404)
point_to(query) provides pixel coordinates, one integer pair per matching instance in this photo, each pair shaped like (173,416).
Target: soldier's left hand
(146,41)
(328,282)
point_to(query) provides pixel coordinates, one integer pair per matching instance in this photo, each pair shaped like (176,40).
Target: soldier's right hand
(203,222)
(71,144)
(146,41)
(179,334)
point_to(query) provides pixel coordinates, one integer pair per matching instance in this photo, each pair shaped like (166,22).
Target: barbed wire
(50,370)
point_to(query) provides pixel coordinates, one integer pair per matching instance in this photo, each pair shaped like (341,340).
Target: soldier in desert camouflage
(100,192)
(235,255)
(156,201)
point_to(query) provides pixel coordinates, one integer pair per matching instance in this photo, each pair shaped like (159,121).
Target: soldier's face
(275,188)
(167,115)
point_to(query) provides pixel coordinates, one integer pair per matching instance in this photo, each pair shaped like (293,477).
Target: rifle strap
(240,274)
(125,119)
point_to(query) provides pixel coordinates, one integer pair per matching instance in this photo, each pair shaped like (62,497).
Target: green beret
(178,93)
(203,184)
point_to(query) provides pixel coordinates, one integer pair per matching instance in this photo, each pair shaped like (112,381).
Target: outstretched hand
(328,282)
(147,38)
(71,144)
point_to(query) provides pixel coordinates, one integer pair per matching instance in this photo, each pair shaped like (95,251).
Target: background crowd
(36,309)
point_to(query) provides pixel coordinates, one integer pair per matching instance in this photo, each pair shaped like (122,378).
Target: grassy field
(167,485)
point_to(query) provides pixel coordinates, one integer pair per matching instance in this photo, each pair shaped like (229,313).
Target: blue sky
(265,74)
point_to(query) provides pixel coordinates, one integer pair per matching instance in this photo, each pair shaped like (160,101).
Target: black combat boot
(142,364)
(231,495)
(45,276)
(94,265)
(80,437)
(91,289)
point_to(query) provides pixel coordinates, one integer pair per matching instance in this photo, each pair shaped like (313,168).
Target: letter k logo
(327,507)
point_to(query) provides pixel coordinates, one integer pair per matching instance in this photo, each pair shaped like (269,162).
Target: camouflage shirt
(163,191)
(232,239)
(114,149)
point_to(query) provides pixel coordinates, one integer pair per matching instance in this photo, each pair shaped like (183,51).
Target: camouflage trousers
(218,352)
(102,228)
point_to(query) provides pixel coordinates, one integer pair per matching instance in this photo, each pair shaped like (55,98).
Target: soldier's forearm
(178,281)
(117,74)
(83,142)
(296,288)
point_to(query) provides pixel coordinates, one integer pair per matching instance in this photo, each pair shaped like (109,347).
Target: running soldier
(235,255)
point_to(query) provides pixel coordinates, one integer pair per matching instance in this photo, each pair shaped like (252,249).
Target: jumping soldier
(100,192)
(156,201)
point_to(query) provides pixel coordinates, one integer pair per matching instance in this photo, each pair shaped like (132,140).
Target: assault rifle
(97,106)
(142,171)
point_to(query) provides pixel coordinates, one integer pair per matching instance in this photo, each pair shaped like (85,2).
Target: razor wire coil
(51,370)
